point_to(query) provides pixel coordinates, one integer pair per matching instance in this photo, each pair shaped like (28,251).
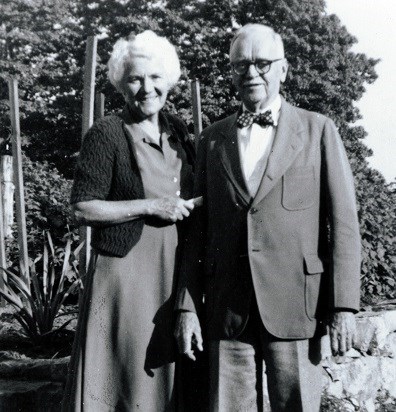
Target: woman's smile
(146,86)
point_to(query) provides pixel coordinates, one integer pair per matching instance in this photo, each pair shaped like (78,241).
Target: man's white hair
(148,45)
(266,33)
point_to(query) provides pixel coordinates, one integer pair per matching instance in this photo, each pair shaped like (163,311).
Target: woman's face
(145,86)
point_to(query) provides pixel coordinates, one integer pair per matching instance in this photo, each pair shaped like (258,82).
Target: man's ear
(285,66)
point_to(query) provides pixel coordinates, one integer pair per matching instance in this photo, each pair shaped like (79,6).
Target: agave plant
(38,306)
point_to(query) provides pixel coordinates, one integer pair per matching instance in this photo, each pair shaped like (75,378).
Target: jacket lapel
(230,159)
(287,144)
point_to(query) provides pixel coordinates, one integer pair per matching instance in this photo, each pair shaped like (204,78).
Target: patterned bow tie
(246,119)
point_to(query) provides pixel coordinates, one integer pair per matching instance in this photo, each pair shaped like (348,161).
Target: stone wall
(28,385)
(365,379)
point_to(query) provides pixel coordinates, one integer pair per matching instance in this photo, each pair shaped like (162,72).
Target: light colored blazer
(296,245)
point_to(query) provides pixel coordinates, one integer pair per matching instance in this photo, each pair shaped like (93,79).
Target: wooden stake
(89,83)
(99,105)
(18,181)
(7,186)
(3,262)
(87,120)
(196,107)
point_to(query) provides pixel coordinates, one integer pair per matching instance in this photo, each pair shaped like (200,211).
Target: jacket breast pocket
(298,192)
(313,277)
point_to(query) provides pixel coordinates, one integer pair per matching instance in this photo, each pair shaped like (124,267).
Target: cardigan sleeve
(94,170)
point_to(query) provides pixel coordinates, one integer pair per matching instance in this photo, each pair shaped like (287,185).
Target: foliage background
(43,43)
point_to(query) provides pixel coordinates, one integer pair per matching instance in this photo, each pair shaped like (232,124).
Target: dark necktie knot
(246,119)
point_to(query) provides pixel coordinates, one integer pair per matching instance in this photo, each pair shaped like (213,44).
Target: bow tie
(246,119)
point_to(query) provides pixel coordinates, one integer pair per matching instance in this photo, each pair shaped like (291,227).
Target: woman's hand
(171,209)
(107,212)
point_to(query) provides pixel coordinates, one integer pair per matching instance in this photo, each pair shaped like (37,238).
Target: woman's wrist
(148,208)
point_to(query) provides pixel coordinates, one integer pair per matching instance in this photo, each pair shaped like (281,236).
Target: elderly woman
(133,176)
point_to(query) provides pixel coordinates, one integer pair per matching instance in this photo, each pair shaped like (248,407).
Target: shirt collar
(137,133)
(274,107)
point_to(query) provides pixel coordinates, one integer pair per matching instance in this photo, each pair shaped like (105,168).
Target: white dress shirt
(255,144)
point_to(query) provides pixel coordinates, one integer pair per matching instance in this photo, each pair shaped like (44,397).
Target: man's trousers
(236,370)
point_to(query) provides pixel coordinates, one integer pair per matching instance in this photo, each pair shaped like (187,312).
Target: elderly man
(275,249)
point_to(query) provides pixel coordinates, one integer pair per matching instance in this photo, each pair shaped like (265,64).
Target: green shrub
(47,209)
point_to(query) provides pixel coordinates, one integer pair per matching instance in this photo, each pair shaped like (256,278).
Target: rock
(391,343)
(369,369)
(369,405)
(11,332)
(9,355)
(372,332)
(335,389)
(23,396)
(54,370)
(390,320)
(387,371)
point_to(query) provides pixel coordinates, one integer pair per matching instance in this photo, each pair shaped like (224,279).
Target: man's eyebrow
(255,60)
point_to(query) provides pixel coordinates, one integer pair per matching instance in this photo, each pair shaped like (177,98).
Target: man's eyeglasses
(262,66)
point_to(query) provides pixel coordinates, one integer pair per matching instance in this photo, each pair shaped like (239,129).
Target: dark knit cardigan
(107,170)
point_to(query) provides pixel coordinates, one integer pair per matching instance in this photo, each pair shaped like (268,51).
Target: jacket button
(253,210)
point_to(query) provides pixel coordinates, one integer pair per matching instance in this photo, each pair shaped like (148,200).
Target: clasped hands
(342,328)
(173,209)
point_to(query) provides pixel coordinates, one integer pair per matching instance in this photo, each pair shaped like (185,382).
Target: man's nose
(252,71)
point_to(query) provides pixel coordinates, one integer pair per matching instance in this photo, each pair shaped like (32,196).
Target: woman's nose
(147,84)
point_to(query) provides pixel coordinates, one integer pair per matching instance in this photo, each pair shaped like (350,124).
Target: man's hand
(342,332)
(188,333)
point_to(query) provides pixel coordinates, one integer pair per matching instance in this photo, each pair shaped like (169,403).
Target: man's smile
(252,85)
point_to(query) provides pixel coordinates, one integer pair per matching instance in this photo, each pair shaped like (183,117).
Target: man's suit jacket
(295,245)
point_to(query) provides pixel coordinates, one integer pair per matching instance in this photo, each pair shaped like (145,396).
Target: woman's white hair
(146,44)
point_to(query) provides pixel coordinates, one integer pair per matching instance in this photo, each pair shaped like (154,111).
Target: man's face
(258,90)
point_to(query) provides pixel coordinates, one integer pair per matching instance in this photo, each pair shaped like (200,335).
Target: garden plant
(39,304)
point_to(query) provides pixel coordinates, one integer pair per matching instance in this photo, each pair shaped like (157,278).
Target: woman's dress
(124,350)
